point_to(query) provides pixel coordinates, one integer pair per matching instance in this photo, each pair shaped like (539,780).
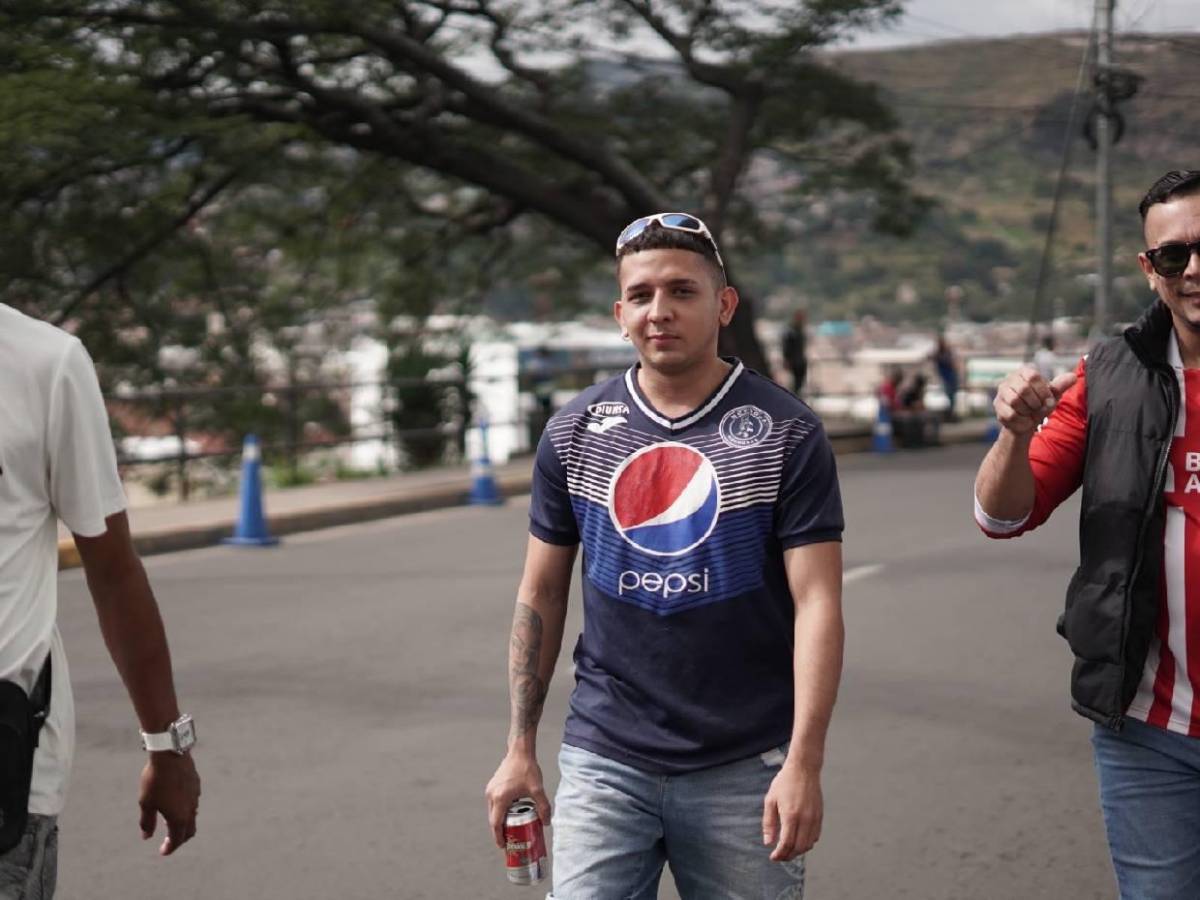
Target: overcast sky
(927,20)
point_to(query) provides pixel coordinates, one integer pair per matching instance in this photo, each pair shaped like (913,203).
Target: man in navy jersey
(705,498)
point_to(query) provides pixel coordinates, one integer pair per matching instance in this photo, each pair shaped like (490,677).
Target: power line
(1068,143)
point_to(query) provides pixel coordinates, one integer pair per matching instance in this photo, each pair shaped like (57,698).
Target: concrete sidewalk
(185,526)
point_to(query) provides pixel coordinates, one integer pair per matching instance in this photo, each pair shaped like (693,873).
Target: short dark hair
(655,237)
(1174,184)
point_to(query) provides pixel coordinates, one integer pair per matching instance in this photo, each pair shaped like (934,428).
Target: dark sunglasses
(1170,260)
(673,221)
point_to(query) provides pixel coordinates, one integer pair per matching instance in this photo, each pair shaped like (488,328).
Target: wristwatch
(179,737)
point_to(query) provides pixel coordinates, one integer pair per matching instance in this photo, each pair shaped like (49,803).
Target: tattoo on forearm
(525,651)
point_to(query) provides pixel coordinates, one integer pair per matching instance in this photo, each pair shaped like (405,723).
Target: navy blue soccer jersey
(685,660)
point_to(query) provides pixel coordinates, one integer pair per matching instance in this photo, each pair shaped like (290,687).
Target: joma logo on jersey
(611,415)
(664,499)
(604,410)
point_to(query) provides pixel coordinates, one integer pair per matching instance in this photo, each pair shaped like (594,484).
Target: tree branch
(540,79)
(637,190)
(61,179)
(705,73)
(409,54)
(147,246)
(734,156)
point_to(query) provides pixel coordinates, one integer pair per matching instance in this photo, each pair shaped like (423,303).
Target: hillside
(986,120)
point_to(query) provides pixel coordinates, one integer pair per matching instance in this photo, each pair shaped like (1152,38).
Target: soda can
(524,843)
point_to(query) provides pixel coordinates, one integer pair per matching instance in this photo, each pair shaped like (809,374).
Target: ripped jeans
(614,827)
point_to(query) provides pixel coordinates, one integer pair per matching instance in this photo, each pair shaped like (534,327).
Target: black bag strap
(39,699)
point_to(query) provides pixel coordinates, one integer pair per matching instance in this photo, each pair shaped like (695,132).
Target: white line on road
(858,573)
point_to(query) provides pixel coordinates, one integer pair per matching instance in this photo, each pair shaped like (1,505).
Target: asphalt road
(349,690)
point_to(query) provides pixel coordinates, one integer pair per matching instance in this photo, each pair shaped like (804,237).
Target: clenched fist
(1025,398)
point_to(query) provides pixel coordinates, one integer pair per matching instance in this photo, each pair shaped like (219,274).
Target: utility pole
(1104,142)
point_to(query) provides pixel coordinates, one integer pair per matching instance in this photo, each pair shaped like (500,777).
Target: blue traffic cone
(483,485)
(881,436)
(251,527)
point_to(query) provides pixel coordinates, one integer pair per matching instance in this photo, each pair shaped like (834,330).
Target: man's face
(672,308)
(1176,221)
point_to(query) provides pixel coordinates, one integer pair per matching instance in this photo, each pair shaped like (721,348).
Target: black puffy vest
(1113,599)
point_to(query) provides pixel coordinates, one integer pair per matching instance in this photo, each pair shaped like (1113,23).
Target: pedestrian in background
(889,390)
(706,501)
(543,380)
(57,462)
(795,350)
(946,365)
(1125,425)
(1045,360)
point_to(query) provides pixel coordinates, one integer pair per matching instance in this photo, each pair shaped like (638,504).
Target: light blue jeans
(615,826)
(1150,794)
(29,871)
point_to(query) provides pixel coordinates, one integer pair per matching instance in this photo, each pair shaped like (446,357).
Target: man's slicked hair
(655,237)
(1179,183)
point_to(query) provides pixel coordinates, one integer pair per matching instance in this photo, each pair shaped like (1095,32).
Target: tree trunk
(739,338)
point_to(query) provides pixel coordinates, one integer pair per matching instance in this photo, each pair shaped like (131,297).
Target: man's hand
(170,788)
(1025,398)
(519,776)
(792,812)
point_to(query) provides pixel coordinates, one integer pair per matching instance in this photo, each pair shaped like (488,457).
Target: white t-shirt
(56,461)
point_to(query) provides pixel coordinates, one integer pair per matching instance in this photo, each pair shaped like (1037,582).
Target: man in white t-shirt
(57,462)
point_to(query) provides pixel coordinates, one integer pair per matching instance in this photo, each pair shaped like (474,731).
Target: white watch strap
(158,742)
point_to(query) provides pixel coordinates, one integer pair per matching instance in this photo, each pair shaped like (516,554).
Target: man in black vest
(1126,427)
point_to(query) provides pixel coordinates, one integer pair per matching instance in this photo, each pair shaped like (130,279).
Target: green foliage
(420,154)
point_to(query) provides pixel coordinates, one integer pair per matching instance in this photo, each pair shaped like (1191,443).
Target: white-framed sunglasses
(674,222)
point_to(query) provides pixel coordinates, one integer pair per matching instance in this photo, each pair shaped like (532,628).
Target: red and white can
(524,843)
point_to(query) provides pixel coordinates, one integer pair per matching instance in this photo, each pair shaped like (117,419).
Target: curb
(192,537)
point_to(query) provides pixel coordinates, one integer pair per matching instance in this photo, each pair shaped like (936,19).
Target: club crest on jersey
(664,499)
(746,426)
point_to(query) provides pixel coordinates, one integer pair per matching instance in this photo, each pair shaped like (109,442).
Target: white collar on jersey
(692,417)
(1174,357)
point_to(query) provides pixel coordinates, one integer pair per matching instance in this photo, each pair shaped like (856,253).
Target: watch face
(185,733)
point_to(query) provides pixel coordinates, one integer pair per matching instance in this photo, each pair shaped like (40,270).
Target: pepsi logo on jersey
(667,584)
(665,499)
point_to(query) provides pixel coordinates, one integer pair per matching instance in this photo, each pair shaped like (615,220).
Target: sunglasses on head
(1170,260)
(673,222)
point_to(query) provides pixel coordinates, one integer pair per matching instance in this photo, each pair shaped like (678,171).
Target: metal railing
(207,424)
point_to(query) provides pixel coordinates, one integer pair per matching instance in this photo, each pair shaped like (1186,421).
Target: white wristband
(998,526)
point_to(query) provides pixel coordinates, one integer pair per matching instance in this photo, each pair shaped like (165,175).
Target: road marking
(858,573)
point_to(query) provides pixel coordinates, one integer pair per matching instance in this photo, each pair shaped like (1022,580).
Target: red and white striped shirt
(1169,693)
